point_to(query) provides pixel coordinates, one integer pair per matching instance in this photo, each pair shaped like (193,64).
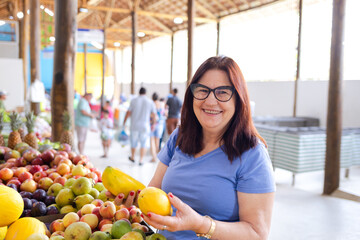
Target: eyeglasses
(222,93)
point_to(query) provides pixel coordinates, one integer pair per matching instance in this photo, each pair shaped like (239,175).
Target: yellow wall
(94,75)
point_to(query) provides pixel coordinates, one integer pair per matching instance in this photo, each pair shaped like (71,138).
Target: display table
(303,149)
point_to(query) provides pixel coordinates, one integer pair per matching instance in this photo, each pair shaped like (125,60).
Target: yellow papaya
(117,181)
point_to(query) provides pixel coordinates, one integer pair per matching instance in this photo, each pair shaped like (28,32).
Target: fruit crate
(48,219)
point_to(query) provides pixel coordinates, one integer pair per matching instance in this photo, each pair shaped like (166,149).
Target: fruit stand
(47,191)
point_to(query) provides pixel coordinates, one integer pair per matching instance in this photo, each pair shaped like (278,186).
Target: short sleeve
(167,152)
(256,172)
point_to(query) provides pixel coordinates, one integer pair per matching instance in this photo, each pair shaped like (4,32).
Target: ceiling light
(49,12)
(28,11)
(52,39)
(97,45)
(83,10)
(2,22)
(42,6)
(178,20)
(20,15)
(116,44)
(141,34)
(11,17)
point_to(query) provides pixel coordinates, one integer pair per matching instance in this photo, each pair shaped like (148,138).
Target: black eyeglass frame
(193,86)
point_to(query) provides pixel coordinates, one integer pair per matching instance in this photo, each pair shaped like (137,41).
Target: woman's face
(213,115)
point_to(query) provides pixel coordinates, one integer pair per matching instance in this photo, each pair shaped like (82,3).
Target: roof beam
(108,15)
(148,32)
(201,8)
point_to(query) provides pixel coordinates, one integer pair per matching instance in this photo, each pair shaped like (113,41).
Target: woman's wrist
(207,230)
(204,226)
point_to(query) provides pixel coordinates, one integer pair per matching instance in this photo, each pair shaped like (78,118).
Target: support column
(133,49)
(298,57)
(35,45)
(103,73)
(85,67)
(62,93)
(191,28)
(171,63)
(334,114)
(24,41)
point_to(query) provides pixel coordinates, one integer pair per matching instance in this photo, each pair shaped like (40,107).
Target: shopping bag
(122,137)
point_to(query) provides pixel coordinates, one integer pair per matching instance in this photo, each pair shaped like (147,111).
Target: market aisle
(300,212)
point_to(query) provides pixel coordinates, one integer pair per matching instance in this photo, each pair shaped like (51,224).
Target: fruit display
(2,140)
(117,181)
(67,135)
(14,136)
(102,220)
(31,138)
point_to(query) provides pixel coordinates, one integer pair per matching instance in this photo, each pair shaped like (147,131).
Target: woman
(157,127)
(215,166)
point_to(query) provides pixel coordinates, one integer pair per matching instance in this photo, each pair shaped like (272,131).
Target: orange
(155,200)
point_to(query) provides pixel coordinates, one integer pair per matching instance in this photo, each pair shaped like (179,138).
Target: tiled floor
(300,211)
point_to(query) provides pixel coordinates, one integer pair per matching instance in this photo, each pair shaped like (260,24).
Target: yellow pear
(132,236)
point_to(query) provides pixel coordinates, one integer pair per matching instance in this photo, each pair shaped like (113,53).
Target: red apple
(47,156)
(31,154)
(11,154)
(57,225)
(93,176)
(63,153)
(104,222)
(37,161)
(107,210)
(72,155)
(60,180)
(66,161)
(57,159)
(122,213)
(45,183)
(20,162)
(96,211)
(39,175)
(63,169)
(54,175)
(65,147)
(14,181)
(6,174)
(78,158)
(28,185)
(97,202)
(24,176)
(45,167)
(35,168)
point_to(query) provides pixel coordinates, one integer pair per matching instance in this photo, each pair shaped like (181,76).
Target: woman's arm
(158,175)
(255,218)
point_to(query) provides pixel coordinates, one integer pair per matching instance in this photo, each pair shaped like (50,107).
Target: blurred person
(141,110)
(107,106)
(173,105)
(107,133)
(3,95)
(83,117)
(157,127)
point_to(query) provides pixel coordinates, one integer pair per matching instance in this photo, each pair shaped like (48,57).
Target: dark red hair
(241,134)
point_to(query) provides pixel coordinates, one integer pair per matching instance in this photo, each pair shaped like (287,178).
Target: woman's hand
(186,218)
(130,200)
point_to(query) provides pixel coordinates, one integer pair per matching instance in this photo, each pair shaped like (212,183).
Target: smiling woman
(215,158)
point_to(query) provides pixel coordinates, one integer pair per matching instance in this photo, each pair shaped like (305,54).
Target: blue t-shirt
(80,119)
(141,109)
(209,183)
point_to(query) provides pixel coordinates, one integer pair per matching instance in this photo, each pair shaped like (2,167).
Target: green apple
(81,186)
(64,197)
(81,200)
(78,231)
(120,228)
(54,189)
(69,182)
(157,236)
(79,170)
(99,186)
(98,235)
(94,192)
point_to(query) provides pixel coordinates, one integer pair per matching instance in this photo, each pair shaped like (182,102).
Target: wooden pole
(85,67)
(334,115)
(116,84)
(133,49)
(298,57)
(103,72)
(24,43)
(171,62)
(217,37)
(191,28)
(35,48)
(62,92)
(122,70)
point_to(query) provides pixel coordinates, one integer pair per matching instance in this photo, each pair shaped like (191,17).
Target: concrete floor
(300,211)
